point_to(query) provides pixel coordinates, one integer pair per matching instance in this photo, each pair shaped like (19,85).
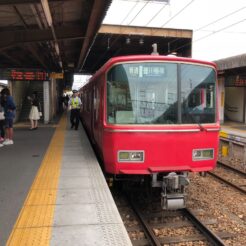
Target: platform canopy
(234,62)
(67,36)
(51,34)
(115,40)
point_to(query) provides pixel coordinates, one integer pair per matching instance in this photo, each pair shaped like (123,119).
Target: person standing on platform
(9,113)
(2,121)
(74,104)
(34,114)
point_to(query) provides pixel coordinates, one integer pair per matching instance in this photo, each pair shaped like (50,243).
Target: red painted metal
(167,148)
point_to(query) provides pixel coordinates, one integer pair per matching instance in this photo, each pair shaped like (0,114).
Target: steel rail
(228,182)
(148,230)
(210,236)
(232,169)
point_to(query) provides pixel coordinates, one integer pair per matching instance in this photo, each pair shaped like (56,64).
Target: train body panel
(162,151)
(154,117)
(143,120)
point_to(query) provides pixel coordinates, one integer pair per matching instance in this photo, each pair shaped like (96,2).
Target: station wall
(18,91)
(235,104)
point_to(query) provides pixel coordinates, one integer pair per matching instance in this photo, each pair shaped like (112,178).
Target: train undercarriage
(173,189)
(170,186)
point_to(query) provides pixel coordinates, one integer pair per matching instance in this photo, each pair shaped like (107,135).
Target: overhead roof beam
(36,55)
(11,58)
(47,13)
(30,46)
(145,31)
(13,38)
(98,11)
(15,2)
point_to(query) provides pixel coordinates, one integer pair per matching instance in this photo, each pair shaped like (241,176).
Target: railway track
(207,234)
(160,227)
(239,175)
(226,166)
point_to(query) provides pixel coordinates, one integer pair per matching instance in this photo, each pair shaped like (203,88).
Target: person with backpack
(9,114)
(2,122)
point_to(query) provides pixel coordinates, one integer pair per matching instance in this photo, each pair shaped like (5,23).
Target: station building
(232,84)
(232,107)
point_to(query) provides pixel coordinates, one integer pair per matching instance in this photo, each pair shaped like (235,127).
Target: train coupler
(173,191)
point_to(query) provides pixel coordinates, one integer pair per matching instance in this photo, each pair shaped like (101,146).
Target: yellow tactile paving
(41,197)
(36,216)
(31,236)
(34,224)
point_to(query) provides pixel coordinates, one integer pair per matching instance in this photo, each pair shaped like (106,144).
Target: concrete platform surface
(53,192)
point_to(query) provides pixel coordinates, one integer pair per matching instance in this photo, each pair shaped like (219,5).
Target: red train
(154,117)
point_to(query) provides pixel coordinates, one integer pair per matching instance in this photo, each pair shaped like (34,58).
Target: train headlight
(202,154)
(130,156)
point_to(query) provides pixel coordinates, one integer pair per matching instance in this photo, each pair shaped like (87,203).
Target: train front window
(160,93)
(197,94)
(142,93)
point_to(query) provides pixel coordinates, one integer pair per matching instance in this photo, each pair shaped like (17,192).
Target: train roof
(119,59)
(130,58)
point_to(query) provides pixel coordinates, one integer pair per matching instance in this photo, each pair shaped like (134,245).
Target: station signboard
(57,75)
(235,81)
(23,74)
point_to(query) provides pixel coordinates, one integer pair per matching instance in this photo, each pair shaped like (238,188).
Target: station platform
(234,130)
(233,144)
(53,191)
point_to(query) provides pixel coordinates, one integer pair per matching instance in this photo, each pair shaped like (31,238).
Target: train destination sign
(150,70)
(23,74)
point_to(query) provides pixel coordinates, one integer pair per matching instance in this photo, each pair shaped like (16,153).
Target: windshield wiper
(202,128)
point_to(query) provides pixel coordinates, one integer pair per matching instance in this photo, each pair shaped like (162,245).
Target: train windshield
(160,93)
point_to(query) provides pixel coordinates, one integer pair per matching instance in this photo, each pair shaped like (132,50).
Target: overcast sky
(219,26)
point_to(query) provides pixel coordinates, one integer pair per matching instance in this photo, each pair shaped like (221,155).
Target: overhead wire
(222,29)
(129,13)
(215,21)
(111,45)
(138,13)
(178,13)
(156,14)
(219,30)
(221,18)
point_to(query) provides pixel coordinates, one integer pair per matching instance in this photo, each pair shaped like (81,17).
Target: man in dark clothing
(9,113)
